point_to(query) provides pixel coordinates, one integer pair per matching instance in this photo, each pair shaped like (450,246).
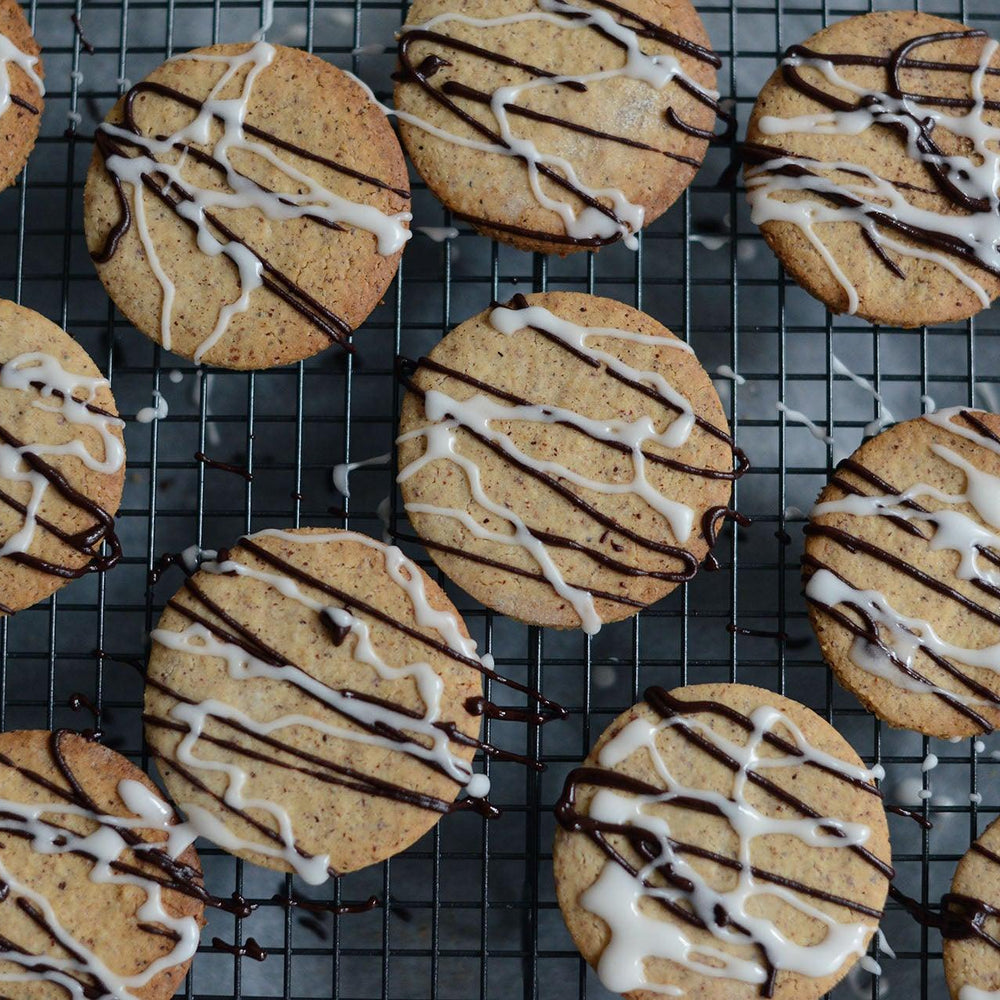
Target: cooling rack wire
(470,910)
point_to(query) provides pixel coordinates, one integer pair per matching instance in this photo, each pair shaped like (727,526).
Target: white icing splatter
(342,472)
(158,411)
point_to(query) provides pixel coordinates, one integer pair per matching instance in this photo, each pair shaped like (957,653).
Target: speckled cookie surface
(817,234)
(701,751)
(900,570)
(971,962)
(62,908)
(616,135)
(79,489)
(567,516)
(316,774)
(21,102)
(308,277)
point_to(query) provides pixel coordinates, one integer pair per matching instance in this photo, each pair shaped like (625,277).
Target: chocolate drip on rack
(647,846)
(863,627)
(930,155)
(712,519)
(249,949)
(421,73)
(214,463)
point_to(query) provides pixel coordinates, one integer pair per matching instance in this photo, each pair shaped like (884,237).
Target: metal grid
(470,910)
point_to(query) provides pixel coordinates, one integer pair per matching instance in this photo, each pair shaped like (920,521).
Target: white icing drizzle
(615,897)
(342,472)
(975,993)
(930,762)
(158,411)
(953,529)
(10,55)
(479,412)
(798,417)
(39,821)
(928,404)
(432,744)
(68,394)
(977,175)
(239,192)
(884,413)
(655,70)
(438,234)
(726,372)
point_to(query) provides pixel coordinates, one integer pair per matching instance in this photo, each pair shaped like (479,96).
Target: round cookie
(246,205)
(677,796)
(556,166)
(91,906)
(62,460)
(971,953)
(902,573)
(311,701)
(858,183)
(21,91)
(565,459)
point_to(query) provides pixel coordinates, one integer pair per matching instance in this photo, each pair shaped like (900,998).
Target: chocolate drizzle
(862,626)
(214,463)
(712,518)
(646,845)
(420,74)
(918,134)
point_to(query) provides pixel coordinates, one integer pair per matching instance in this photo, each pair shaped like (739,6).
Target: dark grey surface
(460,926)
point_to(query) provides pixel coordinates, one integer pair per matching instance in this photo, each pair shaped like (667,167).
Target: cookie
(902,573)
(312,701)
(724,842)
(62,461)
(553,126)
(871,165)
(246,205)
(102,892)
(565,459)
(21,91)
(971,911)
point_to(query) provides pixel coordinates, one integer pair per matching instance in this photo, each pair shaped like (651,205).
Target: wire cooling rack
(470,910)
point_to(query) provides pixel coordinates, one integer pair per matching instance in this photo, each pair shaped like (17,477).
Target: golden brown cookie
(971,953)
(720,840)
(21,91)
(565,459)
(62,460)
(246,205)
(300,695)
(556,125)
(97,900)
(870,194)
(902,573)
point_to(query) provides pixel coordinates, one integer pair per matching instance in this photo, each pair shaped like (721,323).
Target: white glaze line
(10,55)
(342,472)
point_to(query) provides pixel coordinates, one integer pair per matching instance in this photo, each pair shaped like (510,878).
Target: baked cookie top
(565,459)
(246,205)
(871,167)
(313,701)
(62,460)
(556,125)
(902,573)
(102,891)
(21,91)
(724,842)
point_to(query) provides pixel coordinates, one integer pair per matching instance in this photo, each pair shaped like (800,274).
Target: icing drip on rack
(887,642)
(783,186)
(656,868)
(216,633)
(144,163)
(606,215)
(71,396)
(61,819)
(491,405)
(11,55)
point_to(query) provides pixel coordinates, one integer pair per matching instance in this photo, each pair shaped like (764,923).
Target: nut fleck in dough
(650,139)
(19,123)
(96,908)
(707,747)
(334,276)
(815,235)
(77,499)
(901,572)
(599,556)
(332,788)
